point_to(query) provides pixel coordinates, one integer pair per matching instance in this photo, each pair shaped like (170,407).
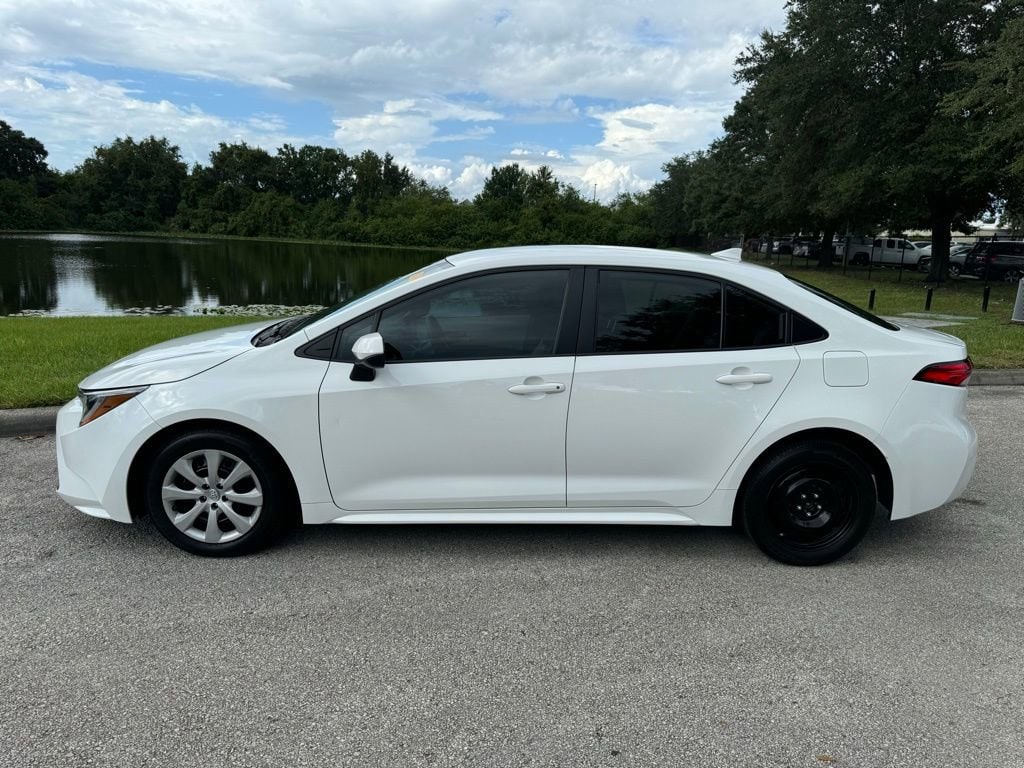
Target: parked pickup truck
(884,251)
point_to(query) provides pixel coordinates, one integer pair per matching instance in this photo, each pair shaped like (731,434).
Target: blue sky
(603,92)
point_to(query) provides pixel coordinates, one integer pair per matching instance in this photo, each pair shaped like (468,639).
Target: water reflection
(96,275)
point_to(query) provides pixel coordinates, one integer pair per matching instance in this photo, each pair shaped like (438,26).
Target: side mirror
(369,353)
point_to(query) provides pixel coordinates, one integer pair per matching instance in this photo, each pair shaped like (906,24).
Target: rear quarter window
(853,309)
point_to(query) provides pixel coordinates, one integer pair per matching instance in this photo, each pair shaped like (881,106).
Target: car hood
(176,359)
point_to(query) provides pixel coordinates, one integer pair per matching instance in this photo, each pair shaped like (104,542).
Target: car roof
(596,255)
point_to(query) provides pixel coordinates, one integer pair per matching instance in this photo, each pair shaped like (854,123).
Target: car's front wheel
(214,493)
(809,503)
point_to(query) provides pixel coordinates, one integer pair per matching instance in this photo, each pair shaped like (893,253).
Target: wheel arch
(870,452)
(149,449)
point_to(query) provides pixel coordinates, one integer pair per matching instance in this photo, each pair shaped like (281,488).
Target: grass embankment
(42,359)
(992,340)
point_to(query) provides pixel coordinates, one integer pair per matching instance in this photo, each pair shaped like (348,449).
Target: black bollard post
(984,298)
(871,299)
(928,300)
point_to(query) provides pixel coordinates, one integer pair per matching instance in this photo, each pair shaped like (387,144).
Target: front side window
(508,314)
(651,312)
(350,335)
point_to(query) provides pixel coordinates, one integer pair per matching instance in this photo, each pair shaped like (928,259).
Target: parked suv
(958,253)
(997,260)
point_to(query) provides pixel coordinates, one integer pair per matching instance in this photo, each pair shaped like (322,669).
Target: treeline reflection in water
(91,274)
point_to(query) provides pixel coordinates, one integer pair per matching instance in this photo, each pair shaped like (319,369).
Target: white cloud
(657,128)
(609,179)
(370,51)
(395,76)
(73,112)
(407,125)
(471,178)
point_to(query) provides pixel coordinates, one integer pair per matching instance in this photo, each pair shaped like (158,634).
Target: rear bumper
(93,461)
(931,447)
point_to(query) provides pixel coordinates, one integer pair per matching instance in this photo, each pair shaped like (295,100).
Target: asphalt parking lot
(515,646)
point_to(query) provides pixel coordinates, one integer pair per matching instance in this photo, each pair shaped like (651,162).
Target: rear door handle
(546,388)
(744,378)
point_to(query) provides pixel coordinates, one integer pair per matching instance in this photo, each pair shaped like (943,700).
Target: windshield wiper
(277,331)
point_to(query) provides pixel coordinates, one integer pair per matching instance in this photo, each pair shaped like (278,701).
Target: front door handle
(744,378)
(546,388)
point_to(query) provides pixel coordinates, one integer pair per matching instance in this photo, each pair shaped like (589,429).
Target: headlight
(98,402)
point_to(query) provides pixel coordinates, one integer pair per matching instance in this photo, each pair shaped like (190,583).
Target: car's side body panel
(446,435)
(660,429)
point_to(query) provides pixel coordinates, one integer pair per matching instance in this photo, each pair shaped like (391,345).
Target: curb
(1005,377)
(42,421)
(28,421)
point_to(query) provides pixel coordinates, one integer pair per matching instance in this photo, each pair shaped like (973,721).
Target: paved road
(545,646)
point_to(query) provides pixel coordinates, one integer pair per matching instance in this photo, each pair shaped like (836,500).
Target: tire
(251,501)
(809,503)
(953,270)
(1012,275)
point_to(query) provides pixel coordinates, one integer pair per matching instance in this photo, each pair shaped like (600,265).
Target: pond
(71,274)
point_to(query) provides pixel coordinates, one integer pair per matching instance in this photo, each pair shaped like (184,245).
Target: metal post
(871,299)
(903,253)
(871,257)
(928,300)
(984,298)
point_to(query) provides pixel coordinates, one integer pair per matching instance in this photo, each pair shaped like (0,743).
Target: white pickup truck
(885,251)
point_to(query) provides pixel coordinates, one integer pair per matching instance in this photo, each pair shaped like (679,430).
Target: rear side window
(752,321)
(851,308)
(651,312)
(508,314)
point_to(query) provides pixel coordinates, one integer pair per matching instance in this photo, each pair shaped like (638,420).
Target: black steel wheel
(809,503)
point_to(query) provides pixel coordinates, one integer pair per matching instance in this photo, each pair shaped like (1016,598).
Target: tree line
(855,118)
(867,117)
(303,192)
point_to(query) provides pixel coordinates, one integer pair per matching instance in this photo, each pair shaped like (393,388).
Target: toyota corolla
(561,384)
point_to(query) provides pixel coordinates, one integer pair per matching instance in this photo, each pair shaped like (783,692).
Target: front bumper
(93,461)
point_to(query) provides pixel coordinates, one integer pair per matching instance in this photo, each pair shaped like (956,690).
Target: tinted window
(851,308)
(350,335)
(650,312)
(509,314)
(805,331)
(751,321)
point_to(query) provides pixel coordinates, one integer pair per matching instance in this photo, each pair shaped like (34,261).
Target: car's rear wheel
(809,503)
(1012,275)
(213,493)
(953,270)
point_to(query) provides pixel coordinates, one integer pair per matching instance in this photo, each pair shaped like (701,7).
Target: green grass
(42,359)
(992,340)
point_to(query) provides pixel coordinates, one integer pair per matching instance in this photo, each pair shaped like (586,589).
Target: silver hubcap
(212,496)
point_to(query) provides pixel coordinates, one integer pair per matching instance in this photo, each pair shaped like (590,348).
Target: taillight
(952,374)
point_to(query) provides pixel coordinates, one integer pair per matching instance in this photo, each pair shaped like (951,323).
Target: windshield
(861,313)
(285,328)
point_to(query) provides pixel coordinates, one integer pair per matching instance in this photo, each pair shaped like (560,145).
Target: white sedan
(562,384)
